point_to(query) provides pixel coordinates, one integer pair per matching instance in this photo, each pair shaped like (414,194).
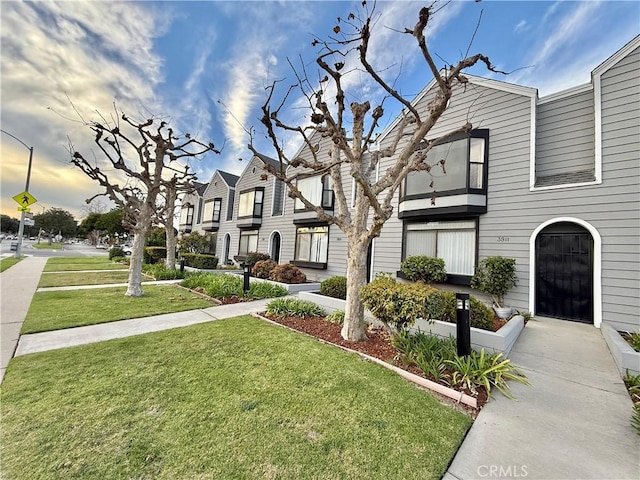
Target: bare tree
(149,155)
(351,129)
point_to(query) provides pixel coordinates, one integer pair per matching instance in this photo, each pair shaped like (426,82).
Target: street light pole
(26,189)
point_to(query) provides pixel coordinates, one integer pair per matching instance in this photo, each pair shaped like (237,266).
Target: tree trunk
(168,225)
(134,289)
(353,329)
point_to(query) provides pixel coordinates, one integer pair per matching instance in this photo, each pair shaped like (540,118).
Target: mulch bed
(378,345)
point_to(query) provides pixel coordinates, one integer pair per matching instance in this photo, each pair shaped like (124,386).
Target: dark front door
(564,273)
(275,247)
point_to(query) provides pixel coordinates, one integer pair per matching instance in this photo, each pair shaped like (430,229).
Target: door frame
(271,237)
(597,265)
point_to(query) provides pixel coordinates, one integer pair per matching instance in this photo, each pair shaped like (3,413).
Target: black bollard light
(182,264)
(463,324)
(247,271)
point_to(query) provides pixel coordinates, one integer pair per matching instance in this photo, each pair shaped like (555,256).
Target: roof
(200,187)
(229,178)
(269,160)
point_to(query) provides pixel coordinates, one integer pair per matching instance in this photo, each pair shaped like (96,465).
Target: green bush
(161,272)
(294,307)
(263,268)
(633,338)
(254,257)
(116,252)
(394,304)
(287,273)
(124,260)
(632,382)
(427,352)
(441,305)
(201,260)
(495,276)
(336,316)
(335,287)
(223,285)
(420,268)
(154,254)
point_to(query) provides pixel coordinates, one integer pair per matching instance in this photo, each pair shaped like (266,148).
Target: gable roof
(229,178)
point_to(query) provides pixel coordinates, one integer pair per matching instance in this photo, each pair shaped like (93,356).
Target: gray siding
(565,135)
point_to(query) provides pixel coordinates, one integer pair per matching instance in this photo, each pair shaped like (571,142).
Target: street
(70,250)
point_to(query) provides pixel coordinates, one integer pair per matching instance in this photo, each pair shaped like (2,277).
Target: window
(251,203)
(317,190)
(200,207)
(186,214)
(312,244)
(464,164)
(248,242)
(454,242)
(217,205)
(232,194)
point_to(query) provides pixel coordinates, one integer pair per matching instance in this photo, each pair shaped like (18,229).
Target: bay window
(317,190)
(250,203)
(248,242)
(217,206)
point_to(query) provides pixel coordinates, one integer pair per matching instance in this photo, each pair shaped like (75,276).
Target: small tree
(495,276)
(193,242)
(352,127)
(148,153)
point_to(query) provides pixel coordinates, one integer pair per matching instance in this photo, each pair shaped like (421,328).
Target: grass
(66,264)
(235,398)
(8,262)
(86,278)
(75,308)
(48,246)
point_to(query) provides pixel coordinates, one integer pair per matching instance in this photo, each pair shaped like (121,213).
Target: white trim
(597,145)
(270,243)
(273,197)
(597,265)
(373,259)
(565,185)
(616,57)
(532,140)
(569,92)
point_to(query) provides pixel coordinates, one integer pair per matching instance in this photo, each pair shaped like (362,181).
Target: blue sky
(185,60)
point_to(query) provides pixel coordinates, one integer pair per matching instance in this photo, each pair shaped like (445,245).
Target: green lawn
(235,398)
(75,308)
(49,246)
(106,264)
(78,260)
(85,278)
(8,262)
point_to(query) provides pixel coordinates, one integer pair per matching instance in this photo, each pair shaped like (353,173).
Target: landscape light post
(26,189)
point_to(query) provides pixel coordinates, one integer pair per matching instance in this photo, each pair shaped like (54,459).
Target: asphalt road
(72,250)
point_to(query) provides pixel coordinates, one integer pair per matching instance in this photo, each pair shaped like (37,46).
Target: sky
(204,67)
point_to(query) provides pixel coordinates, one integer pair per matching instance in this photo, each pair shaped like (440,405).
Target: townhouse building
(553,182)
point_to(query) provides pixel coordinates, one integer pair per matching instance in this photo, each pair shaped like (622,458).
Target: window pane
(476,150)
(303,247)
(217,205)
(420,243)
(319,244)
(457,249)
(244,241)
(245,208)
(253,243)
(208,211)
(475,175)
(455,156)
(311,188)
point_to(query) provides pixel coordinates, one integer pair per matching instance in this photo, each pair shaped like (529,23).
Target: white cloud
(521,26)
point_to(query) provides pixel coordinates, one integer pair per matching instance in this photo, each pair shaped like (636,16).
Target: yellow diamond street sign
(24,199)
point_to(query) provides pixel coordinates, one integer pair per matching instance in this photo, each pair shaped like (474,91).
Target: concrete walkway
(17,286)
(572,423)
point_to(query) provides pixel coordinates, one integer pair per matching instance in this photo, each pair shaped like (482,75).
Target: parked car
(101,246)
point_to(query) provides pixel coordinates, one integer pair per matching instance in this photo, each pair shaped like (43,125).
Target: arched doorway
(564,278)
(274,247)
(225,252)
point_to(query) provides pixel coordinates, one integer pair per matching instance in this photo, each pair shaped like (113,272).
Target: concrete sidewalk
(17,286)
(40,342)
(572,423)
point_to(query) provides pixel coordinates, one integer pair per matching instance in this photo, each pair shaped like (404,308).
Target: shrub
(124,260)
(335,287)
(441,305)
(427,352)
(495,276)
(222,285)
(482,369)
(421,268)
(154,254)
(336,316)
(254,257)
(161,272)
(287,273)
(193,242)
(394,304)
(116,252)
(294,307)
(632,383)
(263,268)
(201,260)
(633,339)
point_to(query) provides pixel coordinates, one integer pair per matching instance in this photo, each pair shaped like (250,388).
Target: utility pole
(26,189)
